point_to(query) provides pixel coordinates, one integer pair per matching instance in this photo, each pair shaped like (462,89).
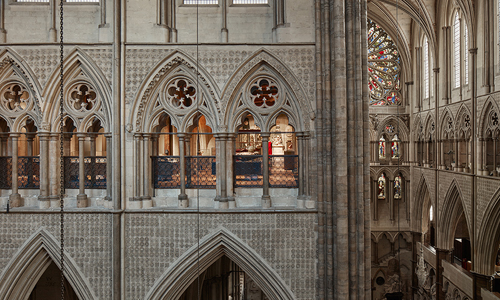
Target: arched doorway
(48,286)
(224,279)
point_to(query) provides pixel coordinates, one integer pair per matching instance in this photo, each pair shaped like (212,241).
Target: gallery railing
(166,172)
(200,172)
(95,172)
(284,171)
(28,172)
(6,174)
(247,170)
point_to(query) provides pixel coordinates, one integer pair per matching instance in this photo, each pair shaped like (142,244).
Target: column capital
(137,135)
(108,135)
(473,51)
(182,136)
(81,135)
(265,135)
(44,135)
(146,135)
(15,135)
(436,70)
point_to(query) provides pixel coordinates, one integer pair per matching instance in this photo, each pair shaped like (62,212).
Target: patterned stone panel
(464,184)
(287,242)
(87,241)
(42,61)
(220,63)
(486,188)
(103,57)
(139,62)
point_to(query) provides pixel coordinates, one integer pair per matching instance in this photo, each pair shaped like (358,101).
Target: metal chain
(61,150)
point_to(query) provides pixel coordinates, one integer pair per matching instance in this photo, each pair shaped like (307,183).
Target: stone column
(455,156)
(230,146)
(136,200)
(146,194)
(266,199)
(44,170)
(55,167)
(109,169)
(92,138)
(15,199)
(29,141)
(81,198)
(3,144)
(187,144)
(300,149)
(183,198)
(221,171)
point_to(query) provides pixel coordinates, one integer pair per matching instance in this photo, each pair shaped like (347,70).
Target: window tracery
(383,67)
(15,97)
(181,93)
(264,92)
(82,97)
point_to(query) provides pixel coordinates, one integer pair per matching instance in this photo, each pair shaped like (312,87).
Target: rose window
(82,97)
(181,93)
(264,93)
(383,67)
(15,97)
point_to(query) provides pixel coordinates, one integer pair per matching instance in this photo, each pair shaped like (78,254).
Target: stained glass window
(395,147)
(381,186)
(383,67)
(397,187)
(381,148)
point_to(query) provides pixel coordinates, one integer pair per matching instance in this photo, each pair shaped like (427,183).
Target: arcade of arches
(283,149)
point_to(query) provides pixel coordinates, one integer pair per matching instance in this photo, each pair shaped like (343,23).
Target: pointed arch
(443,127)
(75,63)
(30,262)
(488,237)
(451,211)
(271,121)
(422,193)
(155,119)
(488,106)
(237,120)
(9,58)
(300,102)
(402,129)
(145,98)
(21,120)
(184,271)
(460,120)
(428,128)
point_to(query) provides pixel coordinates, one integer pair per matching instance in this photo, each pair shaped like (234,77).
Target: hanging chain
(61,149)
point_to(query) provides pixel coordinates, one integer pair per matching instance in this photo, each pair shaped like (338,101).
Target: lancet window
(381,182)
(383,67)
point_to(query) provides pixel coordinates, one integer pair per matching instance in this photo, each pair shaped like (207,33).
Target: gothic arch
(416,10)
(298,102)
(401,128)
(155,119)
(428,126)
(461,127)
(489,237)
(30,262)
(78,66)
(13,67)
(184,270)
(238,119)
(444,127)
(489,106)
(451,210)
(421,192)
(145,99)
(20,121)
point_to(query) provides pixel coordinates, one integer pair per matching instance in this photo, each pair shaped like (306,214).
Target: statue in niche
(381,186)
(397,187)
(395,147)
(277,140)
(381,148)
